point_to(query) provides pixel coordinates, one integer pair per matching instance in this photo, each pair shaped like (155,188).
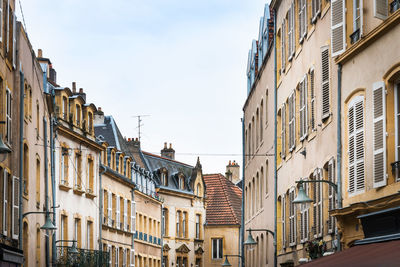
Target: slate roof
(156,162)
(224,201)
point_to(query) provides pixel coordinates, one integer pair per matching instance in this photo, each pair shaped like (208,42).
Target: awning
(370,255)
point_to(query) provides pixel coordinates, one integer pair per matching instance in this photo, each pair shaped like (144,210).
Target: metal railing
(84,257)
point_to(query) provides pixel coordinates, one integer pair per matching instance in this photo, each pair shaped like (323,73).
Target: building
(182,189)
(259,128)
(223,218)
(123,159)
(370,101)
(76,157)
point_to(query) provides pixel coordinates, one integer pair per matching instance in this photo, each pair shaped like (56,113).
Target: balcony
(84,257)
(145,237)
(150,239)
(394,6)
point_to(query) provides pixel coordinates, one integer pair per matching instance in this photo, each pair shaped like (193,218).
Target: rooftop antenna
(140,123)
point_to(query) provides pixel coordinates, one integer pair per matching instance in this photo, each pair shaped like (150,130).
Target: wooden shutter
(338,31)
(292,219)
(283,45)
(381,9)
(283,221)
(325,82)
(1,20)
(331,195)
(379,112)
(132,258)
(305,21)
(5,201)
(15,207)
(293,29)
(303,108)
(300,17)
(315,10)
(283,133)
(290,23)
(8,115)
(306,216)
(118,212)
(14,55)
(292,121)
(320,207)
(125,214)
(312,100)
(133,216)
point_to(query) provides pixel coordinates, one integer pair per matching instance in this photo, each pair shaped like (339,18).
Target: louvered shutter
(315,10)
(290,23)
(305,21)
(283,221)
(1,20)
(292,121)
(381,9)
(118,213)
(320,208)
(359,145)
(132,258)
(14,55)
(312,100)
(283,133)
(283,45)
(293,29)
(5,202)
(300,17)
(303,108)
(331,195)
(325,82)
(133,216)
(351,142)
(125,214)
(8,27)
(306,216)
(15,210)
(338,31)
(379,112)
(109,208)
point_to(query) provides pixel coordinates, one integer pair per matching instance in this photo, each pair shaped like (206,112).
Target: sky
(181,63)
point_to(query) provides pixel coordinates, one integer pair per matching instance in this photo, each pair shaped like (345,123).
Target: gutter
(46,188)
(275,147)
(241,238)
(53,181)
(21,157)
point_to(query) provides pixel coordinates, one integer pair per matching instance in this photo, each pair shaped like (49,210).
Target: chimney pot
(40,53)
(74,87)
(81,90)
(170,145)
(165,144)
(99,108)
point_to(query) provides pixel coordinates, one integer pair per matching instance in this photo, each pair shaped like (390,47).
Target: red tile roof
(224,201)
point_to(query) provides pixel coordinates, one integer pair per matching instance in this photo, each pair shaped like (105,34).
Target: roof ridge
(154,155)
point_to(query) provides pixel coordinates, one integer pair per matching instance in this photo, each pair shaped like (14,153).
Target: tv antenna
(140,123)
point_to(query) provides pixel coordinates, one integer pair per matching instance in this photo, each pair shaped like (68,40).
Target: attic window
(181,182)
(164,178)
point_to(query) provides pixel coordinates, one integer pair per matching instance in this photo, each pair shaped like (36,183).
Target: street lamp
(227,263)
(48,225)
(74,249)
(4,149)
(250,242)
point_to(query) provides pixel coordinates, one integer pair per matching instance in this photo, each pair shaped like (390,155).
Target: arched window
(78,115)
(256,191)
(65,108)
(37,181)
(261,120)
(37,120)
(198,190)
(26,169)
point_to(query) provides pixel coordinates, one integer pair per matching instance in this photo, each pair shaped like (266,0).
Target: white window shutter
(338,29)
(293,29)
(15,208)
(331,195)
(123,257)
(305,101)
(132,258)
(379,111)
(125,214)
(5,201)
(1,21)
(283,221)
(283,45)
(305,21)
(351,178)
(118,213)
(133,216)
(283,133)
(359,144)
(289,30)
(312,100)
(14,55)
(109,210)
(381,9)
(325,82)
(8,26)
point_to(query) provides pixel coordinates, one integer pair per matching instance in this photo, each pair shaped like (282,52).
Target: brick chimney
(133,145)
(233,172)
(82,94)
(168,152)
(74,87)
(98,116)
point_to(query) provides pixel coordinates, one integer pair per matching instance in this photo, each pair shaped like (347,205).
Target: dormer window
(78,115)
(164,178)
(181,182)
(90,122)
(65,108)
(198,189)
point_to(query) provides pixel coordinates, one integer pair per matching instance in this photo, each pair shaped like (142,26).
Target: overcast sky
(180,62)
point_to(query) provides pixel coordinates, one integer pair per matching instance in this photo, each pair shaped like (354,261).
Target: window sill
(298,51)
(326,9)
(90,195)
(310,32)
(78,191)
(327,121)
(182,239)
(64,187)
(25,196)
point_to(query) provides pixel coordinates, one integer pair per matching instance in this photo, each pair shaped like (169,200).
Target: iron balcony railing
(84,257)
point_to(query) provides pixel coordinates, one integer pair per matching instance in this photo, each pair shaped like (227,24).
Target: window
(116,257)
(118,212)
(64,229)
(356,172)
(292,218)
(325,82)
(89,235)
(338,39)
(257,127)
(109,209)
(283,131)
(178,221)
(397,126)
(302,5)
(5,201)
(125,216)
(381,9)
(133,216)
(37,182)
(65,108)
(304,217)
(198,190)
(283,219)
(198,222)
(90,175)
(303,108)
(15,207)
(331,195)
(184,224)
(292,121)
(37,120)
(78,171)
(181,183)
(77,232)
(217,251)
(90,122)
(315,10)
(78,115)
(261,120)
(291,31)
(8,116)
(317,204)
(26,169)
(357,9)
(164,180)
(283,45)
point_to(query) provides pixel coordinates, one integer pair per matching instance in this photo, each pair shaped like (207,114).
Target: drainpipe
(46,188)
(339,149)
(162,235)
(275,149)
(101,203)
(243,197)
(53,181)
(21,154)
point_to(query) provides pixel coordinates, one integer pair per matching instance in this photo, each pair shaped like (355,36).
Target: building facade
(259,129)
(223,219)
(181,187)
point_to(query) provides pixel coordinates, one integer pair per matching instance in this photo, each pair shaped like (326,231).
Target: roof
(156,162)
(370,255)
(224,201)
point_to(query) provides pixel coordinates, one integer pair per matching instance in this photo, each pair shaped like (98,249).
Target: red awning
(382,254)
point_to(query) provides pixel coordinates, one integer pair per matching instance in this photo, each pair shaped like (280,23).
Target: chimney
(82,94)
(74,87)
(98,116)
(40,53)
(233,172)
(168,152)
(53,74)
(133,145)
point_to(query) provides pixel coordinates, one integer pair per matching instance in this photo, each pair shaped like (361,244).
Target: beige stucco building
(259,127)
(223,218)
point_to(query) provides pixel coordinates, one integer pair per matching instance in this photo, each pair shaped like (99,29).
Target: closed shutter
(283,221)
(304,212)
(14,55)
(8,27)
(338,32)
(283,45)
(283,133)
(15,208)
(293,29)
(303,108)
(109,209)
(292,121)
(312,100)
(292,219)
(325,82)
(379,112)
(317,206)
(125,214)
(302,19)
(132,258)
(331,195)
(8,115)
(133,216)
(1,20)
(315,10)
(381,9)
(289,30)
(5,202)
(118,212)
